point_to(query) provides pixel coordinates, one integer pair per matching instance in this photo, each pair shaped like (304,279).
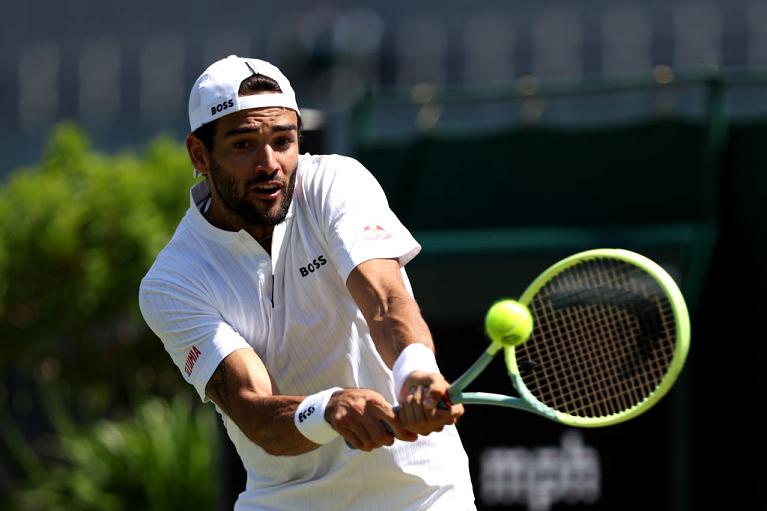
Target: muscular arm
(392,314)
(395,321)
(243,390)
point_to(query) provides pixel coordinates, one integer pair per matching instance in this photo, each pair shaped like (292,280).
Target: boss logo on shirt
(305,414)
(221,107)
(313,266)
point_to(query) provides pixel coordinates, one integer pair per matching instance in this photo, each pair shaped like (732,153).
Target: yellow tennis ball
(508,322)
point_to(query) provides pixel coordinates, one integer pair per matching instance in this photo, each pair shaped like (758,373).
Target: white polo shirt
(211,292)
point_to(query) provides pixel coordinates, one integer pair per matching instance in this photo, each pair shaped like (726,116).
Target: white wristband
(415,357)
(310,417)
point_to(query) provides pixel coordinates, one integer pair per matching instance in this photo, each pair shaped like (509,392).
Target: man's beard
(237,202)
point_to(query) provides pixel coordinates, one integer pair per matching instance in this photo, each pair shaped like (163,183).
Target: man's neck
(223,219)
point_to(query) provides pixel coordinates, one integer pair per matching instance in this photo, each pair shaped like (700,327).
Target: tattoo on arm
(218,385)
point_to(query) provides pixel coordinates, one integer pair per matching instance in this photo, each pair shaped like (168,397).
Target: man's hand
(419,399)
(358,415)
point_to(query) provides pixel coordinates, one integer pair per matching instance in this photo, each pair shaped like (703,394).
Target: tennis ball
(508,322)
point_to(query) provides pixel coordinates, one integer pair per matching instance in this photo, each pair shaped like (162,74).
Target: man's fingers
(433,388)
(376,428)
(358,415)
(424,409)
(400,432)
(351,438)
(411,411)
(367,435)
(433,397)
(416,417)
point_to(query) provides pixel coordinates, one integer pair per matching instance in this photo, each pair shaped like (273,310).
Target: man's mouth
(267,189)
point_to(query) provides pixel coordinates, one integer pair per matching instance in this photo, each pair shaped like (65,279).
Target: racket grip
(443,404)
(386,425)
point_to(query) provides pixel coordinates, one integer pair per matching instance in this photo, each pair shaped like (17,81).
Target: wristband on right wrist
(415,357)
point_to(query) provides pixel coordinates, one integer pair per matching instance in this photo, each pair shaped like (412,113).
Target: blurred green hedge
(160,458)
(77,233)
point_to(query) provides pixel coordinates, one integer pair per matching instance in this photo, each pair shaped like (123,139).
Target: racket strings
(603,388)
(615,373)
(575,369)
(595,381)
(594,384)
(604,339)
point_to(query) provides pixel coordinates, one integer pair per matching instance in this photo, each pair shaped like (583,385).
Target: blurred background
(507,134)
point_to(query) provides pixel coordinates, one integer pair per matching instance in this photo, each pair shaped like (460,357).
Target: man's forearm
(392,314)
(404,342)
(269,423)
(355,414)
(397,323)
(243,391)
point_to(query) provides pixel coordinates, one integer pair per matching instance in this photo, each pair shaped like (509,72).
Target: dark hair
(250,86)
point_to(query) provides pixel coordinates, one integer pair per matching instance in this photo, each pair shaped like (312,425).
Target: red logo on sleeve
(191,359)
(375,232)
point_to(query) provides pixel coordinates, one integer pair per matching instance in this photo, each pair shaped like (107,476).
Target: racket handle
(386,425)
(443,404)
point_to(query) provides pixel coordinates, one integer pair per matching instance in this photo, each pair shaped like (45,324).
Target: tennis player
(282,297)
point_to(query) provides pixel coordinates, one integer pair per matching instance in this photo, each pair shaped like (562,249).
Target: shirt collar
(199,201)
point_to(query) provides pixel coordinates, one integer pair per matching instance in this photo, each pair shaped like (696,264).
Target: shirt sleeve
(358,223)
(193,333)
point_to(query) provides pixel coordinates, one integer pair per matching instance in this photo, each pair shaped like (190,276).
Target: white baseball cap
(215,93)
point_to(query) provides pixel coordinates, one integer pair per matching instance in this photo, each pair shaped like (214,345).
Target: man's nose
(265,159)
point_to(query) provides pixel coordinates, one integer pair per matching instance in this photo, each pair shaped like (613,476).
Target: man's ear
(198,153)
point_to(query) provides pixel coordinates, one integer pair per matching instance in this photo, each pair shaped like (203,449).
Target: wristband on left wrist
(309,417)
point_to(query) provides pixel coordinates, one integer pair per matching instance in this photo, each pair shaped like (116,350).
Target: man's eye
(241,144)
(284,142)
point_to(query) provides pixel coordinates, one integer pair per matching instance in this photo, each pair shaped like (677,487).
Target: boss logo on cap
(221,107)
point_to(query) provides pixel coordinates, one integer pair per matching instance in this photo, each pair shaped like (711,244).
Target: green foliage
(161,458)
(77,233)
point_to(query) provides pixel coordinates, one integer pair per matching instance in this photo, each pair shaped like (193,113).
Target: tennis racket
(611,334)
